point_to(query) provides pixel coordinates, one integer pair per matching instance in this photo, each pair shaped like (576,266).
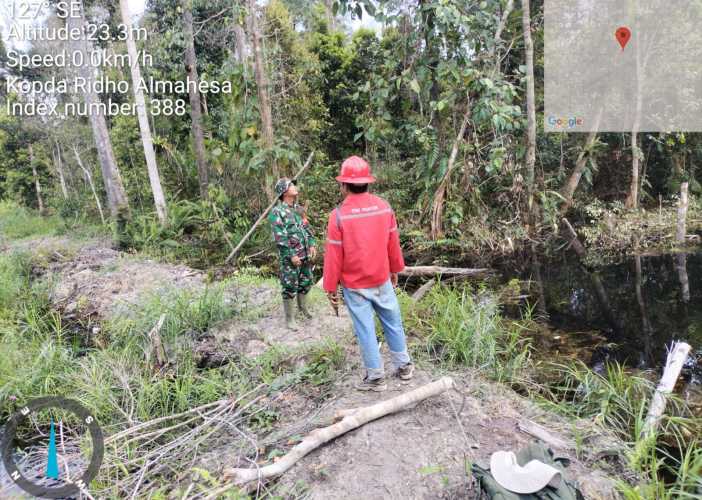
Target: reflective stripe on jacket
(363,243)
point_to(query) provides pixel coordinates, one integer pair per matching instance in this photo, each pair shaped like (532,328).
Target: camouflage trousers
(295,280)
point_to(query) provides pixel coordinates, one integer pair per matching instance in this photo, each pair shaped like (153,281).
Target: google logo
(570,122)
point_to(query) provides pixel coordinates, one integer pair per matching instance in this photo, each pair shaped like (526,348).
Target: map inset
(623,65)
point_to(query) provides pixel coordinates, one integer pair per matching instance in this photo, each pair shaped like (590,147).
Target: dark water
(639,305)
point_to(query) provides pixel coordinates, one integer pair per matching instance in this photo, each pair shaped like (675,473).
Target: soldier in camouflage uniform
(296,248)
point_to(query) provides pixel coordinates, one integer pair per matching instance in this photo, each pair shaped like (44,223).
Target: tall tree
(58,163)
(531,107)
(116,195)
(632,199)
(35,177)
(241,50)
(146,140)
(264,102)
(89,179)
(195,104)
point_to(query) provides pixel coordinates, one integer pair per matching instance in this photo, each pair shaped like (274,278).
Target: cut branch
(350,420)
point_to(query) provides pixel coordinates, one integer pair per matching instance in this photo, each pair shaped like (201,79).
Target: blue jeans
(361,302)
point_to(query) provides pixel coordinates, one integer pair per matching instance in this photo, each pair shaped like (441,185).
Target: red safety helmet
(355,170)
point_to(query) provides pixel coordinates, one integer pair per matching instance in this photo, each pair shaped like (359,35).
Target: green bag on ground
(534,451)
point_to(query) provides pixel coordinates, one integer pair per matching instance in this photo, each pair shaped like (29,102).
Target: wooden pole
(265,212)
(682,214)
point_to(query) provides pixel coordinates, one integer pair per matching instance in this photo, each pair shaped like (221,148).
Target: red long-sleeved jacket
(363,243)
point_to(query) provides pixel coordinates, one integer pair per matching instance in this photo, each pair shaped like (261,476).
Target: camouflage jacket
(291,233)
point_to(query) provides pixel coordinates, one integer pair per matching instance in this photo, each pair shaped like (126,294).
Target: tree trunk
(146,140)
(90,183)
(632,200)
(35,176)
(571,184)
(264,103)
(538,281)
(431,48)
(116,195)
(531,108)
(494,52)
(645,322)
(440,194)
(681,268)
(59,170)
(329,10)
(682,215)
(195,105)
(241,50)
(633,196)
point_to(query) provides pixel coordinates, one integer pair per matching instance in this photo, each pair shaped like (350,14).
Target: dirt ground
(422,452)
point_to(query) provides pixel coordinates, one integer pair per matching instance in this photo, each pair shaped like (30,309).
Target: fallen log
(434,270)
(422,290)
(263,215)
(349,420)
(543,434)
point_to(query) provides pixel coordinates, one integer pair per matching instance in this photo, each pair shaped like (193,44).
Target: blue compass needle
(52,470)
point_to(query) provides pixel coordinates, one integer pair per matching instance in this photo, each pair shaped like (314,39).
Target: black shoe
(406,371)
(375,385)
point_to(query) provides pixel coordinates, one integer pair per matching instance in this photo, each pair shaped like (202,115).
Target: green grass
(670,464)
(17,222)
(463,328)
(15,270)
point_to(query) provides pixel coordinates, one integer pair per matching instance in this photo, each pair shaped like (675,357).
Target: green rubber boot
(289,309)
(302,305)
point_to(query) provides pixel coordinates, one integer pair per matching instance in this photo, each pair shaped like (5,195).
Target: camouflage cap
(282,185)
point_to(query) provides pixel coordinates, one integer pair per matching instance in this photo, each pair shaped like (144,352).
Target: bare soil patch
(422,452)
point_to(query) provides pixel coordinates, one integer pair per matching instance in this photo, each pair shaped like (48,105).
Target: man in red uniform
(363,254)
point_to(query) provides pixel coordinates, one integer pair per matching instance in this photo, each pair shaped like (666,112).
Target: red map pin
(623,34)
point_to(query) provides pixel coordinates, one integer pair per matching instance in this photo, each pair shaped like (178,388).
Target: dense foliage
(396,90)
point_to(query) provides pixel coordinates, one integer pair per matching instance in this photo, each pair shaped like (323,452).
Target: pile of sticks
(138,455)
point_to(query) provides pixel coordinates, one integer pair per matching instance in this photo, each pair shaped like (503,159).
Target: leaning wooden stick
(265,212)
(350,419)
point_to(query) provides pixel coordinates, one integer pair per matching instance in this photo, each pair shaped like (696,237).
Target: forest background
(435,95)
